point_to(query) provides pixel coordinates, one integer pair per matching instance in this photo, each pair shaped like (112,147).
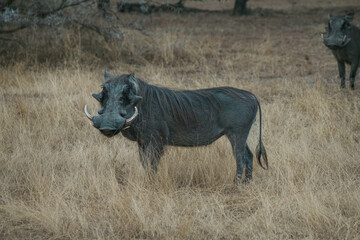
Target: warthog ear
(137,99)
(132,82)
(132,77)
(349,17)
(106,75)
(97,96)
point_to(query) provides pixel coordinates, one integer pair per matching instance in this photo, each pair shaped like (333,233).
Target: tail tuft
(261,152)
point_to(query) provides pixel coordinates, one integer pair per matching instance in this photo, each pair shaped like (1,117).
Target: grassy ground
(61,179)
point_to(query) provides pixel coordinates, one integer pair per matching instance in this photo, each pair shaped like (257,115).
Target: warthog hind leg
(241,153)
(248,163)
(354,67)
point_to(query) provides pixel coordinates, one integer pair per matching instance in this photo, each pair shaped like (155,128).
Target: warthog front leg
(150,154)
(341,67)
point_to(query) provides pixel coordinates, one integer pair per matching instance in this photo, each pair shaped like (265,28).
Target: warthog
(344,41)
(156,116)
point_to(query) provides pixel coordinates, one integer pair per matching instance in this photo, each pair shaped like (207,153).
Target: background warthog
(344,41)
(155,117)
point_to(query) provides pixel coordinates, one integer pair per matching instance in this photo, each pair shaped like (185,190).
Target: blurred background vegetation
(85,31)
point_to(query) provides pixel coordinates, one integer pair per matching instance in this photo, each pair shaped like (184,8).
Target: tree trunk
(103,4)
(240,7)
(180,3)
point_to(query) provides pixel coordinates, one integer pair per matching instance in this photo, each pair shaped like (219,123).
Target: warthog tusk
(344,38)
(87,113)
(129,120)
(322,36)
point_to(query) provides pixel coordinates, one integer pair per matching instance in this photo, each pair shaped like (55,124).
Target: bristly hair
(178,105)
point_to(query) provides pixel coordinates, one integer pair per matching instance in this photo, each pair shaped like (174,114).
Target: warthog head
(339,31)
(118,100)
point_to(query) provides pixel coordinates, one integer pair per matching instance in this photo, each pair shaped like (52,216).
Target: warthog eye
(124,100)
(345,26)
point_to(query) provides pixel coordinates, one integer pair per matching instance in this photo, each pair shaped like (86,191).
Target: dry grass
(60,179)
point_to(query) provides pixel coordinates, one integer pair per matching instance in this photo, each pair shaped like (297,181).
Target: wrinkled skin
(178,118)
(344,41)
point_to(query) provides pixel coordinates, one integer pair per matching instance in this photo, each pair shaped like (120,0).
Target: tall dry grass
(61,179)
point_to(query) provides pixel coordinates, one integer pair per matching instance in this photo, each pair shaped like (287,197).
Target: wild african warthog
(344,41)
(155,116)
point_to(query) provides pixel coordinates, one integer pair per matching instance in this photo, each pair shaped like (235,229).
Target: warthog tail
(260,148)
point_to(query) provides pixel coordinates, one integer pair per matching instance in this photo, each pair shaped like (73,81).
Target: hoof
(237,180)
(246,181)
(342,84)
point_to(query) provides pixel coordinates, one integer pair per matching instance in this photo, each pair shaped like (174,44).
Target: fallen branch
(13,40)
(151,8)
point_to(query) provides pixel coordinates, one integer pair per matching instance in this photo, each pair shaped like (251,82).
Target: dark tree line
(16,15)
